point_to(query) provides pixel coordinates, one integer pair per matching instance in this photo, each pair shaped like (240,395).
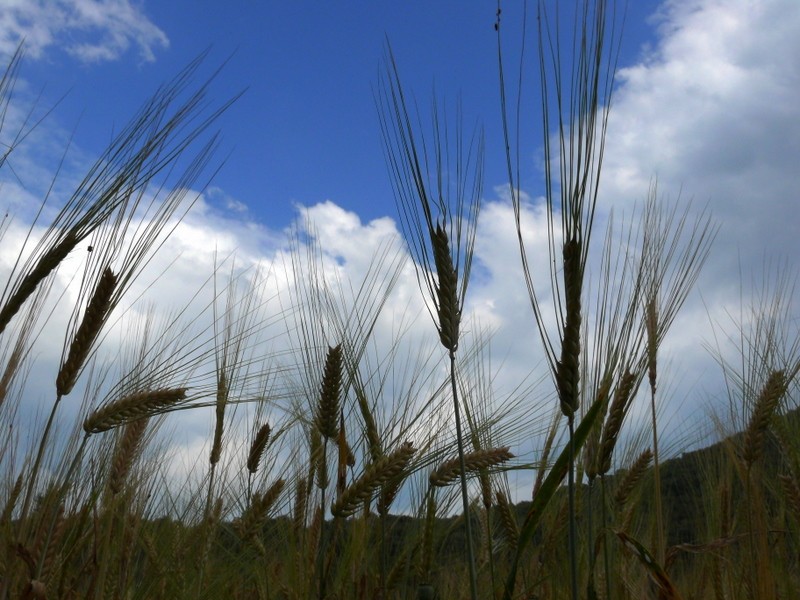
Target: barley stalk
(131,407)
(93,320)
(450,470)
(315,534)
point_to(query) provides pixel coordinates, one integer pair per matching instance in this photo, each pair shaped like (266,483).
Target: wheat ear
(93,319)
(131,407)
(450,470)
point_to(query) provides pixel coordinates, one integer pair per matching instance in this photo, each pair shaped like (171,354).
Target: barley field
(344,467)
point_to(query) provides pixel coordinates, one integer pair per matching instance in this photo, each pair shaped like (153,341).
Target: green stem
(322,540)
(657,483)
(473,579)
(70,472)
(573,555)
(605,536)
(37,464)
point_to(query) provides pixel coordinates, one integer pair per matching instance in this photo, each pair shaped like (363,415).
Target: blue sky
(306,129)
(706,102)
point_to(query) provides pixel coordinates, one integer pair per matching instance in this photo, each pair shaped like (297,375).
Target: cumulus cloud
(710,111)
(713,111)
(92,31)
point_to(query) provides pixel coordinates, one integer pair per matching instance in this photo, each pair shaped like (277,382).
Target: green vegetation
(365,471)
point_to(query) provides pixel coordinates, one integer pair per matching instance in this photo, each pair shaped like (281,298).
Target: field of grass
(337,470)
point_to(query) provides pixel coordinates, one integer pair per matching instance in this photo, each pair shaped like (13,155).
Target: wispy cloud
(93,31)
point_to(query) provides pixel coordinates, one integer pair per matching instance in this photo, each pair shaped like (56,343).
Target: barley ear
(256,514)
(791,490)
(370,428)
(126,453)
(219,415)
(345,456)
(764,409)
(426,558)
(13,496)
(44,266)
(632,478)
(132,407)
(450,470)
(508,521)
(446,290)
(327,415)
(93,319)
(568,366)
(318,466)
(257,448)
(651,325)
(613,425)
(300,506)
(374,476)
(592,448)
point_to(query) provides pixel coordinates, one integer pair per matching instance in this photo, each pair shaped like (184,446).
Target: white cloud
(92,31)
(713,111)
